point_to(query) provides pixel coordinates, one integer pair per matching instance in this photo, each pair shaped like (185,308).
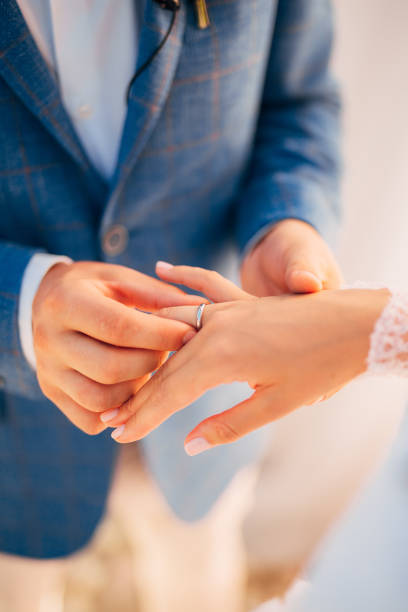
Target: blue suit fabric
(229,130)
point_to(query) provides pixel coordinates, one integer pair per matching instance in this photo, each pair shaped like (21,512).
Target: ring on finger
(199,316)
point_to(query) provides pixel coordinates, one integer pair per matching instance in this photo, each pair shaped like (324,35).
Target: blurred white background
(372,61)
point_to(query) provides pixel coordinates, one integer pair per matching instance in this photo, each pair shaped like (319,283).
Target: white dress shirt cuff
(35,271)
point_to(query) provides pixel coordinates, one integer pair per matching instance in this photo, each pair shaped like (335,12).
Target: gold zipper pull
(203,20)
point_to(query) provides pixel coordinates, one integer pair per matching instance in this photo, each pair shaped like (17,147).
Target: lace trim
(388,354)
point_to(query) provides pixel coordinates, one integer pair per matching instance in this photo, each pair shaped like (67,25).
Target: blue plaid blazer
(228,130)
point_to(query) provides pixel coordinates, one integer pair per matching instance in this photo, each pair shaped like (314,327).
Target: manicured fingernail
(109,415)
(189,336)
(116,433)
(197,446)
(310,275)
(164,265)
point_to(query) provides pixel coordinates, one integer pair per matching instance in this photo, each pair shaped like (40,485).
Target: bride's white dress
(363,567)
(364,564)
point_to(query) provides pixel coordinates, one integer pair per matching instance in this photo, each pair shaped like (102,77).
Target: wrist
(361,309)
(48,282)
(388,353)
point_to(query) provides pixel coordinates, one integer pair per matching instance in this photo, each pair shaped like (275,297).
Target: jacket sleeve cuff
(35,271)
(261,207)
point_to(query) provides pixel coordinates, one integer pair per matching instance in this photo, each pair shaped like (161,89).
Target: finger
(261,408)
(149,296)
(210,283)
(304,271)
(114,323)
(137,289)
(188,314)
(303,281)
(180,381)
(109,415)
(85,420)
(313,274)
(105,363)
(89,394)
(309,269)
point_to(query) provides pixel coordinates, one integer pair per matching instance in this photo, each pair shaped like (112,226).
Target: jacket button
(115,240)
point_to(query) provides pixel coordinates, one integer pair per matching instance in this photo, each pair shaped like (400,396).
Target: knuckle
(149,361)
(94,397)
(128,408)
(166,312)
(93,428)
(122,330)
(222,431)
(110,371)
(40,337)
(105,376)
(106,325)
(219,319)
(114,329)
(111,327)
(82,395)
(102,399)
(54,301)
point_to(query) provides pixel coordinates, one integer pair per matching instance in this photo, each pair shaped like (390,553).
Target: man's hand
(93,348)
(292,258)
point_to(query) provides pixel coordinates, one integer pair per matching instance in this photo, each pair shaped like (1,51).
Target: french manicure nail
(116,433)
(164,265)
(109,415)
(197,446)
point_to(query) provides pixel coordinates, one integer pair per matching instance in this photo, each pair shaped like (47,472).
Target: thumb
(304,273)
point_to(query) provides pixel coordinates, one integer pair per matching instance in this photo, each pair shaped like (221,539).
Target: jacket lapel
(151,88)
(24,69)
(26,72)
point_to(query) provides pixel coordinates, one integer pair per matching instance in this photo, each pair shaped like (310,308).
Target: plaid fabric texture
(230,129)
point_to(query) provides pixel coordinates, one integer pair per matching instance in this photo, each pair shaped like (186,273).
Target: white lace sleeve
(388,354)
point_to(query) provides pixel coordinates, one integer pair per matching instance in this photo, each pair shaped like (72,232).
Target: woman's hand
(292,350)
